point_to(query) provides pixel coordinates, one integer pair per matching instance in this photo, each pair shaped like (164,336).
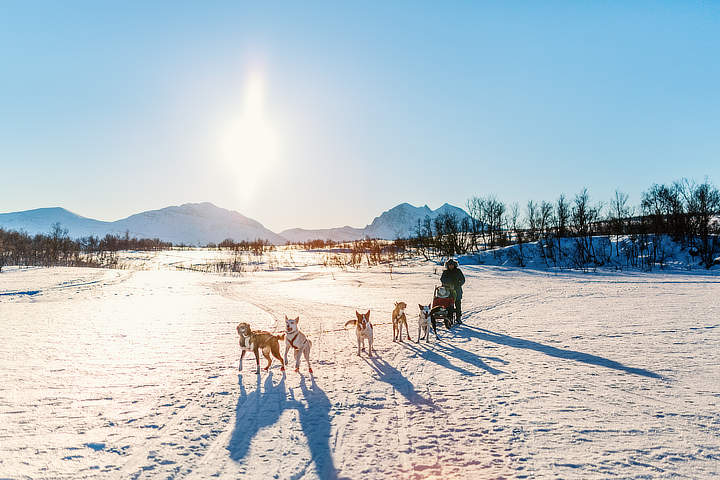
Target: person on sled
(454,279)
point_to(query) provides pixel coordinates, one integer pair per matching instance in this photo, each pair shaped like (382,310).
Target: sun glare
(250,144)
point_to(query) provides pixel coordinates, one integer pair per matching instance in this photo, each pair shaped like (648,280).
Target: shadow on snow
(425,352)
(391,375)
(263,408)
(515,342)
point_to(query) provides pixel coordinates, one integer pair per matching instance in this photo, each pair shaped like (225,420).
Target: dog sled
(443,306)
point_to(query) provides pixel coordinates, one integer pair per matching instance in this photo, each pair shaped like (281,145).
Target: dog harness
(291,340)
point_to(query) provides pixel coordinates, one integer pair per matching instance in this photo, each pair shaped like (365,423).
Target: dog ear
(367,315)
(421,306)
(286,319)
(357,314)
(297,319)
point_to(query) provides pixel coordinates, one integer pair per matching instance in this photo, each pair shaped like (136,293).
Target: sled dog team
(257,341)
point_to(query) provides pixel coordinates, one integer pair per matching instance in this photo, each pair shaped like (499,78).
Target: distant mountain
(203,223)
(401,221)
(40,220)
(398,222)
(191,223)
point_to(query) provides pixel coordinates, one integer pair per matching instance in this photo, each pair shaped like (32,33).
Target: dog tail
(280,337)
(350,322)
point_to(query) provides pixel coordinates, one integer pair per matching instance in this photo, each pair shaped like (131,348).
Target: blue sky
(108,109)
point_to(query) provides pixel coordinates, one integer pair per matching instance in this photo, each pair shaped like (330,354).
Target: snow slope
(133,374)
(40,220)
(190,223)
(398,222)
(197,224)
(609,250)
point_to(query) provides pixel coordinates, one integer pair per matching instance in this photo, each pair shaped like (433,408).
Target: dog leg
(267,356)
(257,359)
(275,349)
(370,347)
(242,355)
(406,330)
(297,360)
(434,325)
(307,355)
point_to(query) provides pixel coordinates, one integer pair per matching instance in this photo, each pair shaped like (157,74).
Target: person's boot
(458,315)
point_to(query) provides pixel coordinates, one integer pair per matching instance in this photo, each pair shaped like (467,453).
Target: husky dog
(363,330)
(296,340)
(258,340)
(398,319)
(425,320)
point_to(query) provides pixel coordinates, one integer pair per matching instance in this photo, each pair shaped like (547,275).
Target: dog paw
(310,370)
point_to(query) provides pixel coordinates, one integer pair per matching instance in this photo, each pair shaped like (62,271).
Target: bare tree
(583,218)
(533,218)
(618,215)
(703,206)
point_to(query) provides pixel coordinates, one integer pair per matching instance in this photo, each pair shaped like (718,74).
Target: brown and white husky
(296,340)
(258,340)
(363,330)
(398,320)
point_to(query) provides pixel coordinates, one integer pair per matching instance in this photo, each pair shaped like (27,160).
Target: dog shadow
(255,411)
(315,423)
(389,374)
(426,352)
(263,408)
(515,342)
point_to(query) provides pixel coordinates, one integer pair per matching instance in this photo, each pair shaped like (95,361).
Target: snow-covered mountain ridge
(203,223)
(398,222)
(190,223)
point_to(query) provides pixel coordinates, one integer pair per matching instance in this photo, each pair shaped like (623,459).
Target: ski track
(123,374)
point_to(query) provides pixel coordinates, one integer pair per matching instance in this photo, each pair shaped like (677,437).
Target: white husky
(424,323)
(363,330)
(297,340)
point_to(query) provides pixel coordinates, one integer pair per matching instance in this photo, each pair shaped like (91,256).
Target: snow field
(133,374)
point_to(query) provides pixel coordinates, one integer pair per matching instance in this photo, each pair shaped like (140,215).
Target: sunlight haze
(328,114)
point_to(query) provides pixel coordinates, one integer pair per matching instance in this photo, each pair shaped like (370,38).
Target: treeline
(56,248)
(684,211)
(257,247)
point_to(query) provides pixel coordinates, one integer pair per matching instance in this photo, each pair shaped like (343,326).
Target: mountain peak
(189,223)
(402,220)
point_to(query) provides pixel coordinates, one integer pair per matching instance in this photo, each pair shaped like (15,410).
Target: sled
(443,306)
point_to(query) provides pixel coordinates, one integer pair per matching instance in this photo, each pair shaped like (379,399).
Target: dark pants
(458,308)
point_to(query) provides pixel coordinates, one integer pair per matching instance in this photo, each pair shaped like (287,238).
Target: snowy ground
(133,374)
